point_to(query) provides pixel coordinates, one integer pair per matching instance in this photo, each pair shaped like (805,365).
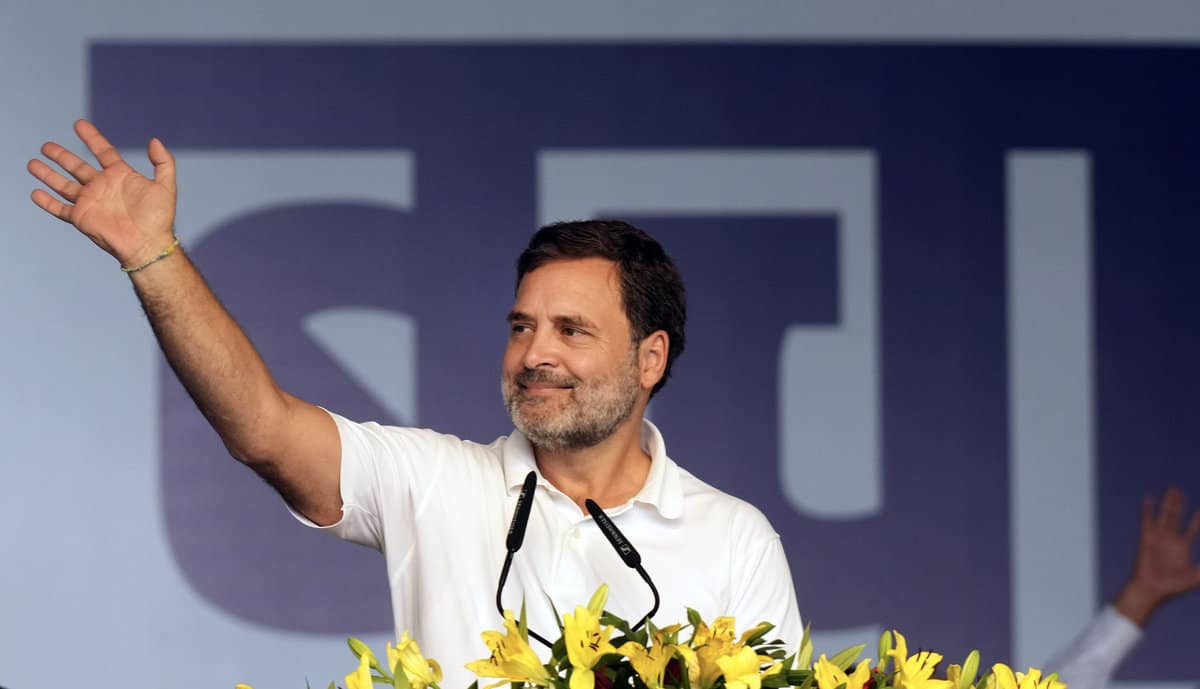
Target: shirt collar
(663,490)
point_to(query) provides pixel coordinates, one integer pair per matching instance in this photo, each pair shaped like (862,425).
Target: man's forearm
(212,357)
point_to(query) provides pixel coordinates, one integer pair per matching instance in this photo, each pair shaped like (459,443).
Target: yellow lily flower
(651,663)
(916,672)
(722,630)
(954,674)
(421,671)
(512,659)
(360,678)
(1023,680)
(742,670)
(586,641)
(710,645)
(691,661)
(830,676)
(242,686)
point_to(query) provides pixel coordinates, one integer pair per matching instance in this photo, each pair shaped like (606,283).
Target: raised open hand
(126,214)
(1164,567)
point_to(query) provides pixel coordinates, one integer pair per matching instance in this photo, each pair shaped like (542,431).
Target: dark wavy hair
(651,288)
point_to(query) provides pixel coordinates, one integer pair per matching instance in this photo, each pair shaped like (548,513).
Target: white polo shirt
(439,509)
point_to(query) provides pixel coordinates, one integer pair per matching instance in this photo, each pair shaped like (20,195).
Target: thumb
(164,163)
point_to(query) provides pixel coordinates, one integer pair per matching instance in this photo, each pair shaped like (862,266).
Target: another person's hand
(128,215)
(1164,567)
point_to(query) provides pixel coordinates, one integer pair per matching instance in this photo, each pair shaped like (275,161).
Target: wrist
(144,258)
(1136,603)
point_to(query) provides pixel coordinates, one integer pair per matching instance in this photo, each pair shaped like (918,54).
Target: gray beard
(590,416)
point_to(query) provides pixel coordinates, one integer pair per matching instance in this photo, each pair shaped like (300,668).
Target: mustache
(541,377)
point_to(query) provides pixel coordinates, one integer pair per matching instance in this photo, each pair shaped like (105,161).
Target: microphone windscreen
(516,530)
(619,543)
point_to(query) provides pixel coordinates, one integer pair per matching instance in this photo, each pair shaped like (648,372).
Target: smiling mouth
(543,389)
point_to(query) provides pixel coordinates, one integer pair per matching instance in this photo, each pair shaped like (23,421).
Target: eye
(571,332)
(516,328)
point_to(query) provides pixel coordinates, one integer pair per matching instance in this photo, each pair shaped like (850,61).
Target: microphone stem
(654,590)
(500,591)
(503,578)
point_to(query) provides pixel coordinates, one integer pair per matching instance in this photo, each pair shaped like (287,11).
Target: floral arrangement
(597,650)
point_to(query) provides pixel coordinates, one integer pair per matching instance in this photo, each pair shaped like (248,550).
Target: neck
(611,472)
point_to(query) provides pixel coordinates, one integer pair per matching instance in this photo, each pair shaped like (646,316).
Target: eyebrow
(572,319)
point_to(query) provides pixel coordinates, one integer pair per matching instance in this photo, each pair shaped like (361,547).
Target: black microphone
(625,549)
(516,530)
(516,535)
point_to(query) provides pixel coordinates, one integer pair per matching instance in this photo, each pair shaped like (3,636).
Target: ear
(652,358)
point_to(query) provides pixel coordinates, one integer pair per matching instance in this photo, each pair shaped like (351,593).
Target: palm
(1164,565)
(112,206)
(122,211)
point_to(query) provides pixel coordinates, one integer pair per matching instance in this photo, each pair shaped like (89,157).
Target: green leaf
(885,645)
(758,636)
(616,622)
(400,678)
(359,648)
(650,628)
(522,625)
(332,685)
(806,649)
(787,664)
(684,678)
(558,654)
(844,659)
(557,617)
(970,668)
(598,599)
(694,618)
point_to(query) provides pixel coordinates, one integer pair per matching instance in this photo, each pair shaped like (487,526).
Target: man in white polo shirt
(597,322)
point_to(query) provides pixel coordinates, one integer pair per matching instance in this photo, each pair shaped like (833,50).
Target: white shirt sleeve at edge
(1090,660)
(357,524)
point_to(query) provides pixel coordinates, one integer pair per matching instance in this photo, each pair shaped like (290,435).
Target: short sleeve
(764,591)
(384,468)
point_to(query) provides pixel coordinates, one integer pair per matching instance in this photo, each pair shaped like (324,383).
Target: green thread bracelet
(165,252)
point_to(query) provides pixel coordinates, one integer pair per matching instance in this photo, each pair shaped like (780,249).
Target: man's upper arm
(306,467)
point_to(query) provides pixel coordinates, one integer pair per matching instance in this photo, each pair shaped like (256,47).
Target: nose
(541,349)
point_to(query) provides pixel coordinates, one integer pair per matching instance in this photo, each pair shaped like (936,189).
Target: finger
(52,205)
(1172,506)
(164,163)
(78,167)
(97,144)
(66,188)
